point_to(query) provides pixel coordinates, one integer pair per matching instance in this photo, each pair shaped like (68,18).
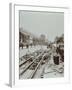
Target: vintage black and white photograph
(41,44)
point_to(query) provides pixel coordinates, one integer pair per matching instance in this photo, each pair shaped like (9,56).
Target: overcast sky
(49,23)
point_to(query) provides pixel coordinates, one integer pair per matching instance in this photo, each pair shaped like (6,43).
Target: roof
(24,32)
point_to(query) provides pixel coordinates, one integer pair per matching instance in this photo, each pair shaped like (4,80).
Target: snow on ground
(39,72)
(53,71)
(48,70)
(30,50)
(21,69)
(26,74)
(21,61)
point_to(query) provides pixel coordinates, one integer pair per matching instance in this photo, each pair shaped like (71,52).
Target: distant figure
(56,58)
(61,52)
(21,45)
(27,46)
(31,44)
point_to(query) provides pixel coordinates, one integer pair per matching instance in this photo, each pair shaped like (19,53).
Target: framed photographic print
(38,45)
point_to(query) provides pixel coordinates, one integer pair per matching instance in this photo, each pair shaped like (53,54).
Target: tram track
(31,63)
(33,66)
